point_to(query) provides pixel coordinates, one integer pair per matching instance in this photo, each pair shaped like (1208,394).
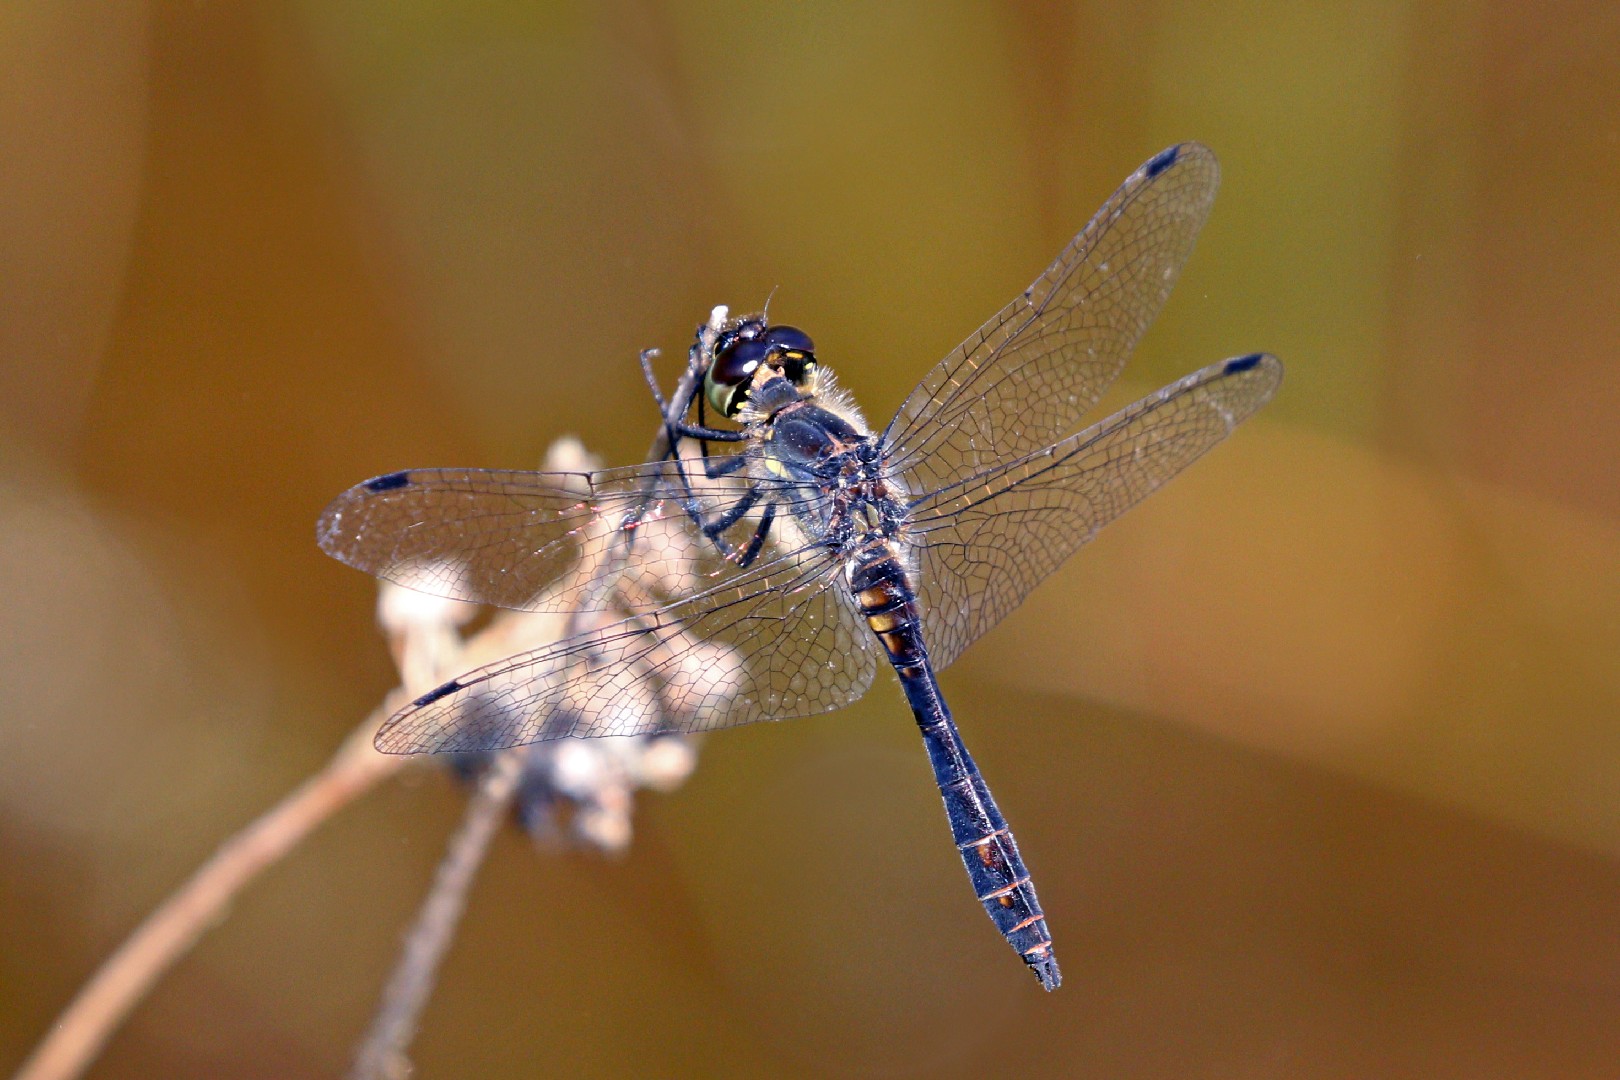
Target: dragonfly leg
(721,522)
(714,468)
(757,541)
(714,527)
(745,555)
(706,434)
(687,393)
(687,500)
(647,357)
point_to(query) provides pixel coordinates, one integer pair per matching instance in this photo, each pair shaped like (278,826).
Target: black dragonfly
(765,582)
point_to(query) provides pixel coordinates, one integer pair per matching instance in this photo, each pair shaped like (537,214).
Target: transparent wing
(986,542)
(777,640)
(536,541)
(1026,377)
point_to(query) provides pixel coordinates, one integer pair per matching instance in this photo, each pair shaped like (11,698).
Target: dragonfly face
(773,579)
(751,352)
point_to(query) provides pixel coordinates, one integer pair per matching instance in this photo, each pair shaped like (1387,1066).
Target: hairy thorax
(816,436)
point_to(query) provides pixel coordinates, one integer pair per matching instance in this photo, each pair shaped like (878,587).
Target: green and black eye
(732,372)
(786,348)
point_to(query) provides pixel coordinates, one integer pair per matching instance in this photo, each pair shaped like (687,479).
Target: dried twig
(128,974)
(382,1051)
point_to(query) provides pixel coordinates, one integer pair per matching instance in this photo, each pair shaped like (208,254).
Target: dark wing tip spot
(436,693)
(388,482)
(1161,161)
(1244,363)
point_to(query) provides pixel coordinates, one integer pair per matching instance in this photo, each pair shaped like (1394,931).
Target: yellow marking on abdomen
(893,642)
(876,596)
(883,623)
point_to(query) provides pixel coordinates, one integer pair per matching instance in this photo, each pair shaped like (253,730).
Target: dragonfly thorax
(804,436)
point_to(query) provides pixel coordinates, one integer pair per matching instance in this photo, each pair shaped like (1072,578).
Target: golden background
(1315,756)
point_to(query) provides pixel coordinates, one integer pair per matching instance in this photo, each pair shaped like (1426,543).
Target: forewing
(536,541)
(1026,377)
(778,640)
(984,544)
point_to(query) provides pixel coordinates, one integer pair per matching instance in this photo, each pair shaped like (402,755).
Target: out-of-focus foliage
(1315,755)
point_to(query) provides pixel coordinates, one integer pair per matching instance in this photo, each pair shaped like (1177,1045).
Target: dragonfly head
(742,352)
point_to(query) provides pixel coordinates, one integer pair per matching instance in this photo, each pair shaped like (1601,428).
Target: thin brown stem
(382,1054)
(168,932)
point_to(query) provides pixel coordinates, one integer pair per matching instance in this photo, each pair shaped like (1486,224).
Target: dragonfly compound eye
(727,382)
(792,350)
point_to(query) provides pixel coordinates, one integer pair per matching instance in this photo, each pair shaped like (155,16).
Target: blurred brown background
(1316,756)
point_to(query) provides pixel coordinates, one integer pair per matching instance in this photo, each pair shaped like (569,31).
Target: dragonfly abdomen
(987,847)
(983,839)
(889,605)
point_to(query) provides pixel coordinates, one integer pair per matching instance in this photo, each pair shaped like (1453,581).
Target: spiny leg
(713,468)
(712,528)
(757,541)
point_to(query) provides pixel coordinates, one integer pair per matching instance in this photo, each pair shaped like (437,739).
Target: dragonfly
(776,559)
